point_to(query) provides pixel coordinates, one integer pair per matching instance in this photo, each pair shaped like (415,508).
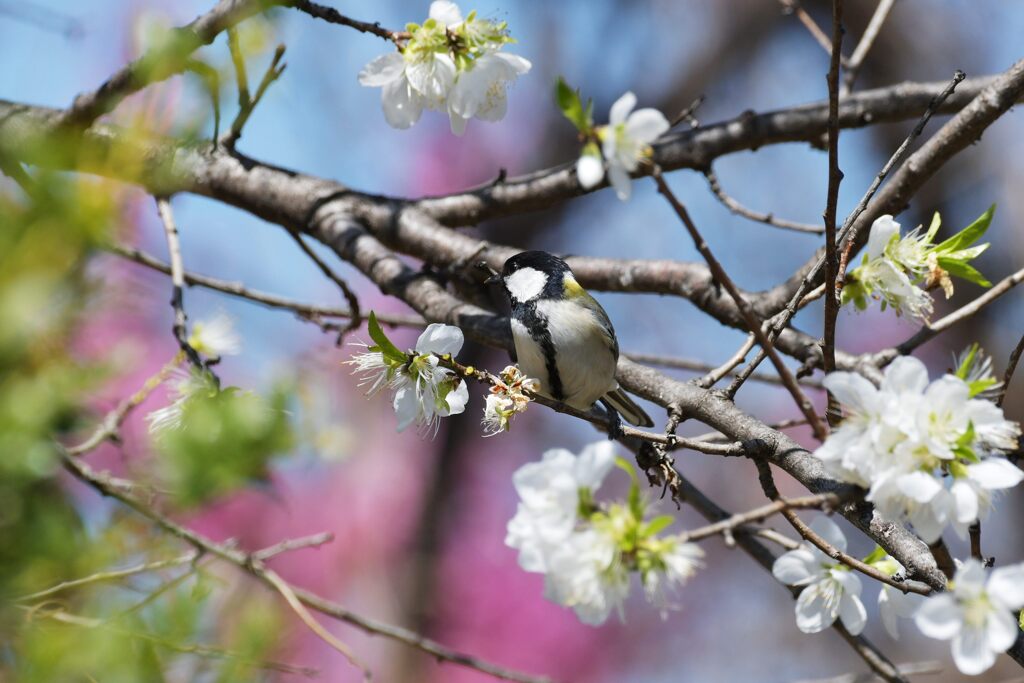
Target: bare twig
(282,587)
(272,73)
(307,311)
(288,545)
(16,172)
(177,282)
(928,332)
(753,324)
(867,40)
(975,533)
(793,7)
(111,575)
(355,318)
(756,216)
(943,558)
(713,373)
(167,60)
(241,75)
(332,16)
(835,177)
(110,426)
(910,669)
(821,501)
(768,484)
(255,567)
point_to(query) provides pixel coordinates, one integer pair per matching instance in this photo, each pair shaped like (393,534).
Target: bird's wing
(574,291)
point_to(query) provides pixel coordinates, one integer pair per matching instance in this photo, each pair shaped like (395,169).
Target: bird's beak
(494,276)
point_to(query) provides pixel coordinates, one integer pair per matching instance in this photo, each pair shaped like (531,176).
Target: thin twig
(770,490)
(820,501)
(177,282)
(110,426)
(355,318)
(975,533)
(241,76)
(715,372)
(943,559)
(793,7)
(170,58)
(332,16)
(714,375)
(867,40)
(282,587)
(272,73)
(928,332)
(111,575)
(307,311)
(910,669)
(835,177)
(756,216)
(753,324)
(104,484)
(16,172)
(288,545)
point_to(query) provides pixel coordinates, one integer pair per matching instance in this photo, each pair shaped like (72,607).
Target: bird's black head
(532,275)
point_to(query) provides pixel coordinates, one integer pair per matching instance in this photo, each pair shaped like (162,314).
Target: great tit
(563,338)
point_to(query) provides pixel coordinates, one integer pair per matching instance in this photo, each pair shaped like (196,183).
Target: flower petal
(796,567)
(1001,630)
(812,613)
(965,502)
(1006,586)
(887,611)
(407,407)
(456,400)
(589,171)
(401,104)
(852,613)
(458,123)
(971,651)
(646,125)
(882,231)
(440,339)
(995,473)
(906,374)
(939,617)
(919,486)
(621,181)
(382,70)
(620,110)
(593,464)
(445,12)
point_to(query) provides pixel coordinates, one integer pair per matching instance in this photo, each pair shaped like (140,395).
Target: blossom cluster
(586,550)
(977,613)
(449,63)
(424,392)
(508,396)
(899,271)
(928,452)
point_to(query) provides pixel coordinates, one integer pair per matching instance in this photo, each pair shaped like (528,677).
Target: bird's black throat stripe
(536,324)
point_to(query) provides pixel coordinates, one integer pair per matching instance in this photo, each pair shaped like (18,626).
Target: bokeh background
(419,523)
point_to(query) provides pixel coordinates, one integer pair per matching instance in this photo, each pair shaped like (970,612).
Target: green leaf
(963,271)
(969,235)
(384,345)
(657,524)
(968,362)
(571,106)
(878,553)
(1020,621)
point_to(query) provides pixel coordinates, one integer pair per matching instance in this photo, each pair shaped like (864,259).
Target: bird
(563,337)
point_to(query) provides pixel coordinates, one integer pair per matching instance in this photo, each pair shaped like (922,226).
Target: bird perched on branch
(563,338)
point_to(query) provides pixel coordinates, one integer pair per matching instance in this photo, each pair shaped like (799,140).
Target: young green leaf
(656,525)
(571,106)
(969,235)
(963,271)
(384,345)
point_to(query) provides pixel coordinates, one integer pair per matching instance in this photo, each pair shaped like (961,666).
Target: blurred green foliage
(224,442)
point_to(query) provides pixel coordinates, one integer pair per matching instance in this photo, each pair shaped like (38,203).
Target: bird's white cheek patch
(526,284)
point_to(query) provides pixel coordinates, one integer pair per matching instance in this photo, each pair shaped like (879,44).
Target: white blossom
(627,139)
(977,614)
(424,391)
(893,603)
(215,337)
(549,493)
(927,452)
(589,170)
(830,590)
(887,270)
(673,566)
(447,64)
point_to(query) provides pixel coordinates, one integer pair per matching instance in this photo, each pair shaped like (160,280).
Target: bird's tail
(628,409)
